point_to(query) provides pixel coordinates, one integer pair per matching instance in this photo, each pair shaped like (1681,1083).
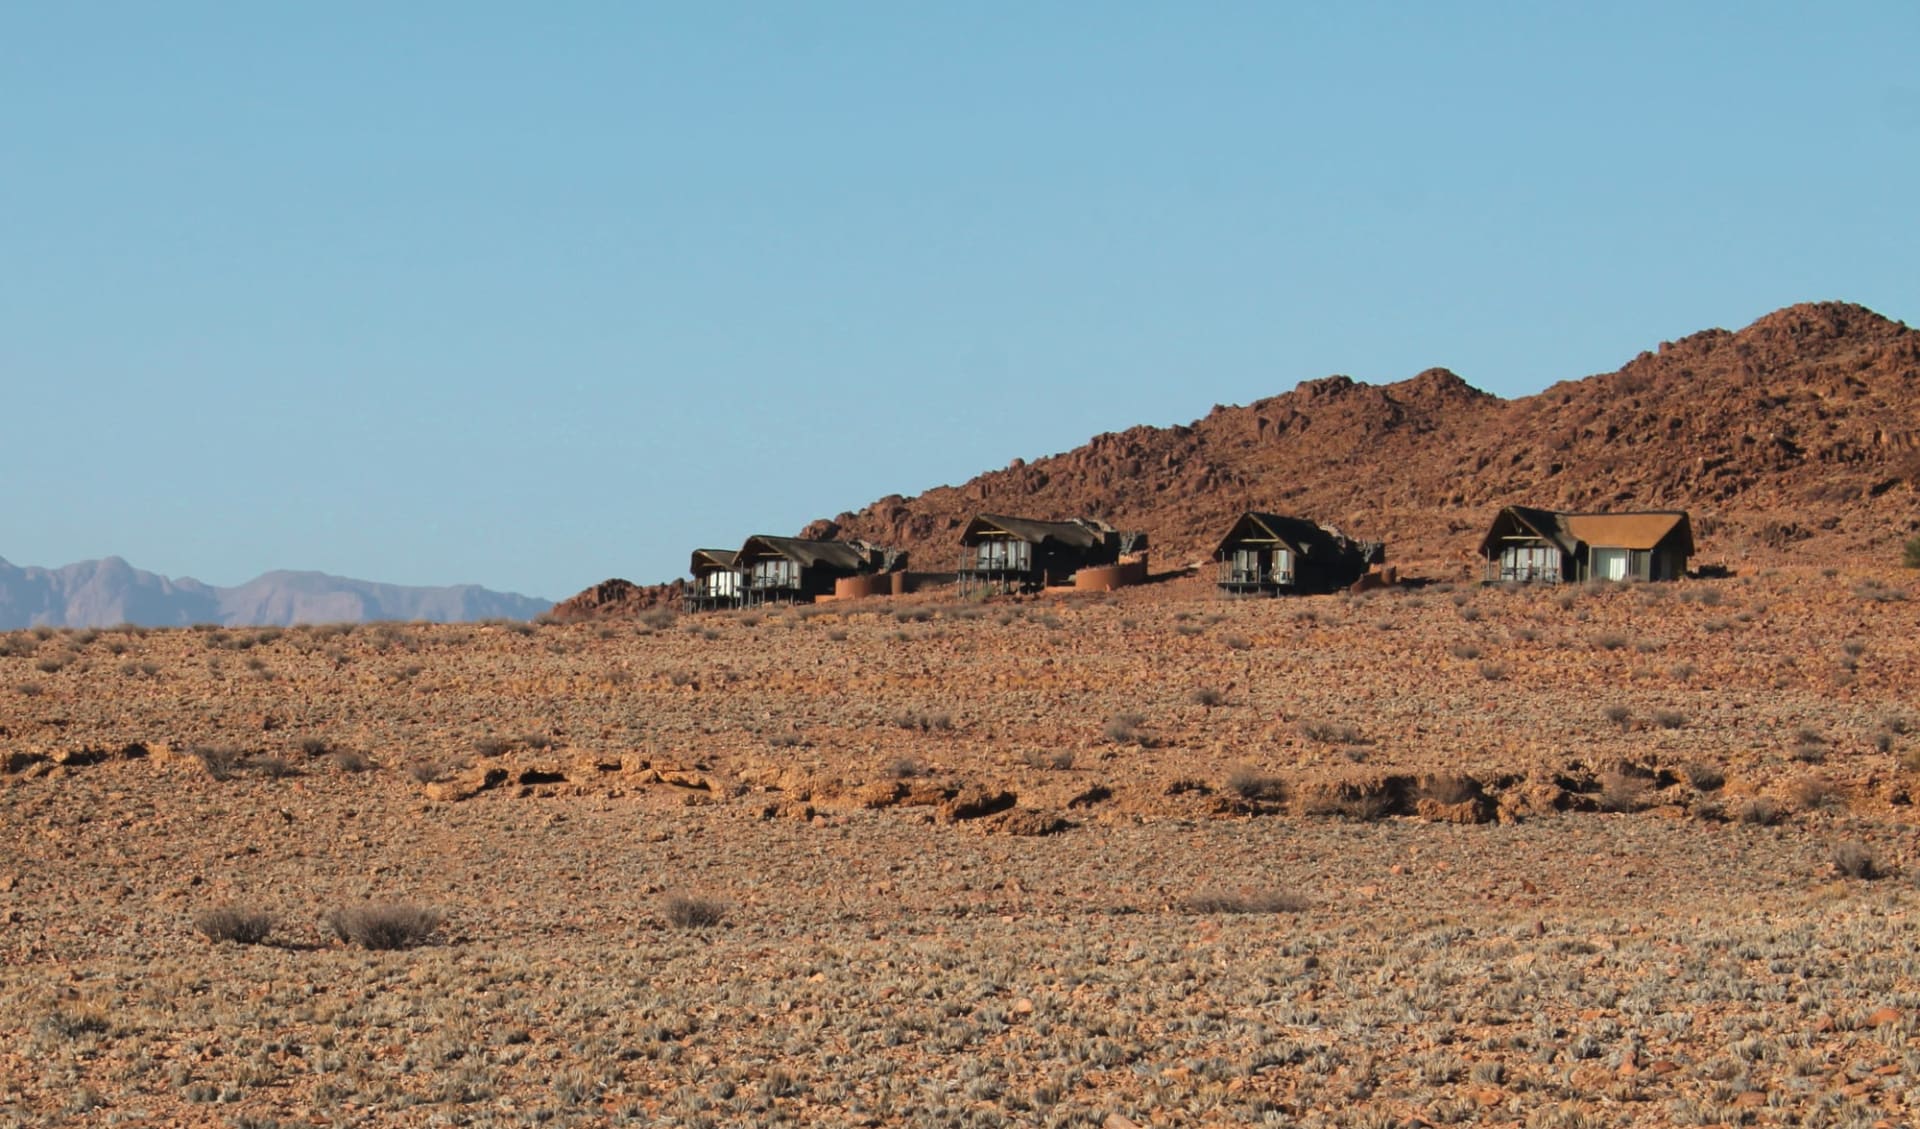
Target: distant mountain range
(111,591)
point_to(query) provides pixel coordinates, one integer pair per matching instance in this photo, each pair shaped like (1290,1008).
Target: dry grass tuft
(1227,901)
(384,926)
(690,911)
(231,923)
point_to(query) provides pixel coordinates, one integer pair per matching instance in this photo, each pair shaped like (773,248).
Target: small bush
(1225,901)
(1811,792)
(1621,792)
(1853,859)
(1759,811)
(924,722)
(1669,719)
(220,761)
(1060,759)
(1704,776)
(1493,672)
(351,760)
(1237,642)
(1329,733)
(1612,641)
(905,768)
(384,926)
(1250,783)
(1207,696)
(274,768)
(1465,651)
(1124,729)
(1910,553)
(688,911)
(230,923)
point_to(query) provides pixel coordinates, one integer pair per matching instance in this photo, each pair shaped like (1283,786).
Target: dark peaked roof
(1081,534)
(707,560)
(1297,533)
(807,554)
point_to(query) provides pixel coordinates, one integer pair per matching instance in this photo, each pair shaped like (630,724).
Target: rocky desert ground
(1443,855)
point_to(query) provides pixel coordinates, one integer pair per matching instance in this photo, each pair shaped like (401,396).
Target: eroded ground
(1583,857)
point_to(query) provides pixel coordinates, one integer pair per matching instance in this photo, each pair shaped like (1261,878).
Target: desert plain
(1549,857)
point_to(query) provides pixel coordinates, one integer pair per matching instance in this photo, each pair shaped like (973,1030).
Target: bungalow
(1267,554)
(1018,554)
(716,581)
(795,570)
(1527,544)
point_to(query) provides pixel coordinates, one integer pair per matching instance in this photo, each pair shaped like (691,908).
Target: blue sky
(534,295)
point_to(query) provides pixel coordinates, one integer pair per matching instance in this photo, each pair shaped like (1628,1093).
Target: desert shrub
(231,923)
(1250,783)
(791,739)
(1810,752)
(1704,776)
(314,746)
(905,768)
(924,721)
(220,761)
(1877,592)
(1760,811)
(1124,729)
(1810,792)
(1611,641)
(29,689)
(273,768)
(1059,758)
(53,665)
(1621,791)
(1853,859)
(1466,651)
(690,911)
(351,760)
(1669,719)
(1329,733)
(1910,553)
(1207,696)
(1227,901)
(384,925)
(1493,672)
(1236,642)
(426,770)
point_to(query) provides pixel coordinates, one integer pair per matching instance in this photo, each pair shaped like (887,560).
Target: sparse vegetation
(1250,783)
(384,926)
(1854,859)
(233,923)
(691,911)
(1227,901)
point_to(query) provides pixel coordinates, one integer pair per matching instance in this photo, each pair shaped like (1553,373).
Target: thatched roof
(1080,533)
(1642,529)
(846,555)
(711,560)
(1303,537)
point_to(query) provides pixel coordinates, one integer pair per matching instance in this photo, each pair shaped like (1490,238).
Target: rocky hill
(1801,430)
(111,591)
(1799,433)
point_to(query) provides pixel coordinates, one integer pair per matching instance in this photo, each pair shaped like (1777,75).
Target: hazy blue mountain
(106,592)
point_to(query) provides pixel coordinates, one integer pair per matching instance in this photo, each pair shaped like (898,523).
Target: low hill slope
(1803,428)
